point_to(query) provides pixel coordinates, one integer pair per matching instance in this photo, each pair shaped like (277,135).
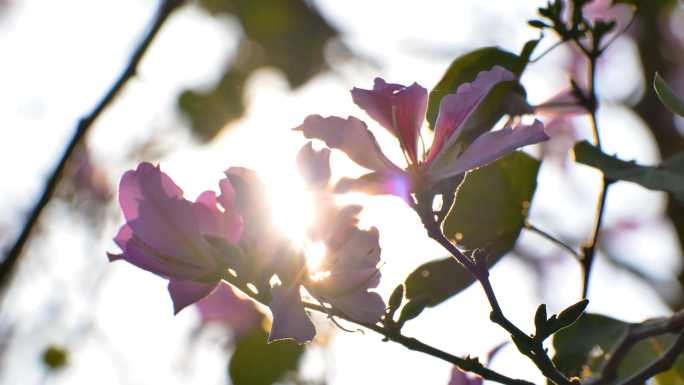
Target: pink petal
(362,305)
(607,11)
(341,229)
(490,147)
(459,378)
(231,222)
(455,109)
(226,307)
(289,317)
(206,213)
(377,184)
(411,105)
(148,261)
(125,235)
(156,211)
(185,293)
(250,201)
(314,166)
(361,251)
(351,137)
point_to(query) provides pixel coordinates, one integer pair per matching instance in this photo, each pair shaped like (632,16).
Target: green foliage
(505,98)
(395,301)
(544,328)
(668,96)
(289,35)
(593,335)
(55,357)
(489,207)
(668,176)
(413,309)
(256,362)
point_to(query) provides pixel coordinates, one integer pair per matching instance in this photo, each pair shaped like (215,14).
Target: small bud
(480,256)
(395,300)
(413,309)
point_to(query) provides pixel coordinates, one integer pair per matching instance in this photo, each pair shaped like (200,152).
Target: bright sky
(61,58)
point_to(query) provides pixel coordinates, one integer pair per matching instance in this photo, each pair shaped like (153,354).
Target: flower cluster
(197,244)
(232,237)
(401,111)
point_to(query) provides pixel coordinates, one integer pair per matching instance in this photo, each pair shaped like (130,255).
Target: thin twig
(416,345)
(552,239)
(634,333)
(588,250)
(10,261)
(411,343)
(659,365)
(539,355)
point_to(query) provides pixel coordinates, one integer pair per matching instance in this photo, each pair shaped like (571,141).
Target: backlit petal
(156,211)
(411,106)
(314,166)
(349,136)
(185,293)
(289,317)
(492,146)
(455,109)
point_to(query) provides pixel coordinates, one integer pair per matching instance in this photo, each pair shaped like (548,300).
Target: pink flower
(606,11)
(349,268)
(401,110)
(224,306)
(166,234)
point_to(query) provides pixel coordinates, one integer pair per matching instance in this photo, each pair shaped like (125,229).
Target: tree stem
(11,259)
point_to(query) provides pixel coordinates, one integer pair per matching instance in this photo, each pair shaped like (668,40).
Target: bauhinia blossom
(166,234)
(401,110)
(349,267)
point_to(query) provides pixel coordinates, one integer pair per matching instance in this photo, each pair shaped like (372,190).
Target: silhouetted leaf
(413,309)
(504,98)
(490,207)
(568,316)
(289,35)
(256,362)
(668,176)
(592,336)
(668,96)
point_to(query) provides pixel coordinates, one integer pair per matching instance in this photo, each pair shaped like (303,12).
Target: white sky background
(60,58)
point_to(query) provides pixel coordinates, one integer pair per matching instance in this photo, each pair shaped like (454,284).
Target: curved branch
(634,333)
(10,261)
(416,345)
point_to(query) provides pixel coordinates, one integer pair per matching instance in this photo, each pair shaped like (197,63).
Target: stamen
(422,141)
(401,139)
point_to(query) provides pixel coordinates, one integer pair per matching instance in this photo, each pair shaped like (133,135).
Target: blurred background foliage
(289,35)
(292,37)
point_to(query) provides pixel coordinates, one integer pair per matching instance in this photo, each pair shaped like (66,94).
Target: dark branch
(10,261)
(416,345)
(633,334)
(481,273)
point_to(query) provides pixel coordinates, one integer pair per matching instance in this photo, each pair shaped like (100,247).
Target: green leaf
(256,362)
(504,98)
(668,176)
(464,70)
(538,24)
(581,348)
(568,316)
(489,207)
(540,319)
(413,309)
(395,300)
(668,96)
